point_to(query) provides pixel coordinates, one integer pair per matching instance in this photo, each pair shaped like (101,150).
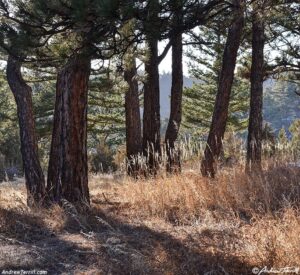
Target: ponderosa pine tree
(133,118)
(87,24)
(220,114)
(154,29)
(205,67)
(254,142)
(68,171)
(151,113)
(18,40)
(173,154)
(132,105)
(34,177)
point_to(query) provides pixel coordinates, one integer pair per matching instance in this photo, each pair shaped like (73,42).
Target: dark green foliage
(199,100)
(44,34)
(9,132)
(106,113)
(106,119)
(285,24)
(43,100)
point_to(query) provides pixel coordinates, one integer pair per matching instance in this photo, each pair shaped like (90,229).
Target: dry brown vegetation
(181,224)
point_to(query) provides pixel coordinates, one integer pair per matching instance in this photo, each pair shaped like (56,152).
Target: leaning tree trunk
(173,154)
(35,181)
(220,115)
(68,170)
(133,120)
(254,144)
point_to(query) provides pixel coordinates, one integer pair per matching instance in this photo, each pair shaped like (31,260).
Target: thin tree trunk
(254,144)
(133,120)
(173,154)
(68,170)
(220,115)
(35,181)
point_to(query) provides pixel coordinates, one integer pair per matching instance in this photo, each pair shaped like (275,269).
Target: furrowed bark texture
(220,114)
(35,181)
(173,154)
(254,144)
(68,171)
(151,115)
(133,120)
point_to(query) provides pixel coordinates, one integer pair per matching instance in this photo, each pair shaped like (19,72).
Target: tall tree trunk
(133,120)
(35,181)
(254,144)
(173,154)
(151,115)
(220,115)
(68,171)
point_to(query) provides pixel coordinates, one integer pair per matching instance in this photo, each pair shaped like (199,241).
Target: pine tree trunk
(68,170)
(254,144)
(35,181)
(151,115)
(220,114)
(173,154)
(133,121)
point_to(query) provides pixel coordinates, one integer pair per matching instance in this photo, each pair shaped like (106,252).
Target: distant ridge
(281,104)
(165,82)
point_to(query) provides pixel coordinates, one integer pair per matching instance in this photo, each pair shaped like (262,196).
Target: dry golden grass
(262,210)
(189,196)
(182,224)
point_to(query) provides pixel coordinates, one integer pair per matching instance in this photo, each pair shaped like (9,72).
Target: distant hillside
(165,92)
(281,104)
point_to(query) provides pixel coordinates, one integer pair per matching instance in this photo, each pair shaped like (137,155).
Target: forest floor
(172,225)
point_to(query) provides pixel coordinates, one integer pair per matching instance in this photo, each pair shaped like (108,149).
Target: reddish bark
(254,144)
(133,121)
(151,115)
(220,115)
(173,154)
(34,177)
(68,171)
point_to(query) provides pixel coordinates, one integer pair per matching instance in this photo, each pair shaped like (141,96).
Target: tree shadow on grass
(161,253)
(27,243)
(113,247)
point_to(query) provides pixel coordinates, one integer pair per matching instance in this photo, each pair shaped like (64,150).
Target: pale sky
(166,64)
